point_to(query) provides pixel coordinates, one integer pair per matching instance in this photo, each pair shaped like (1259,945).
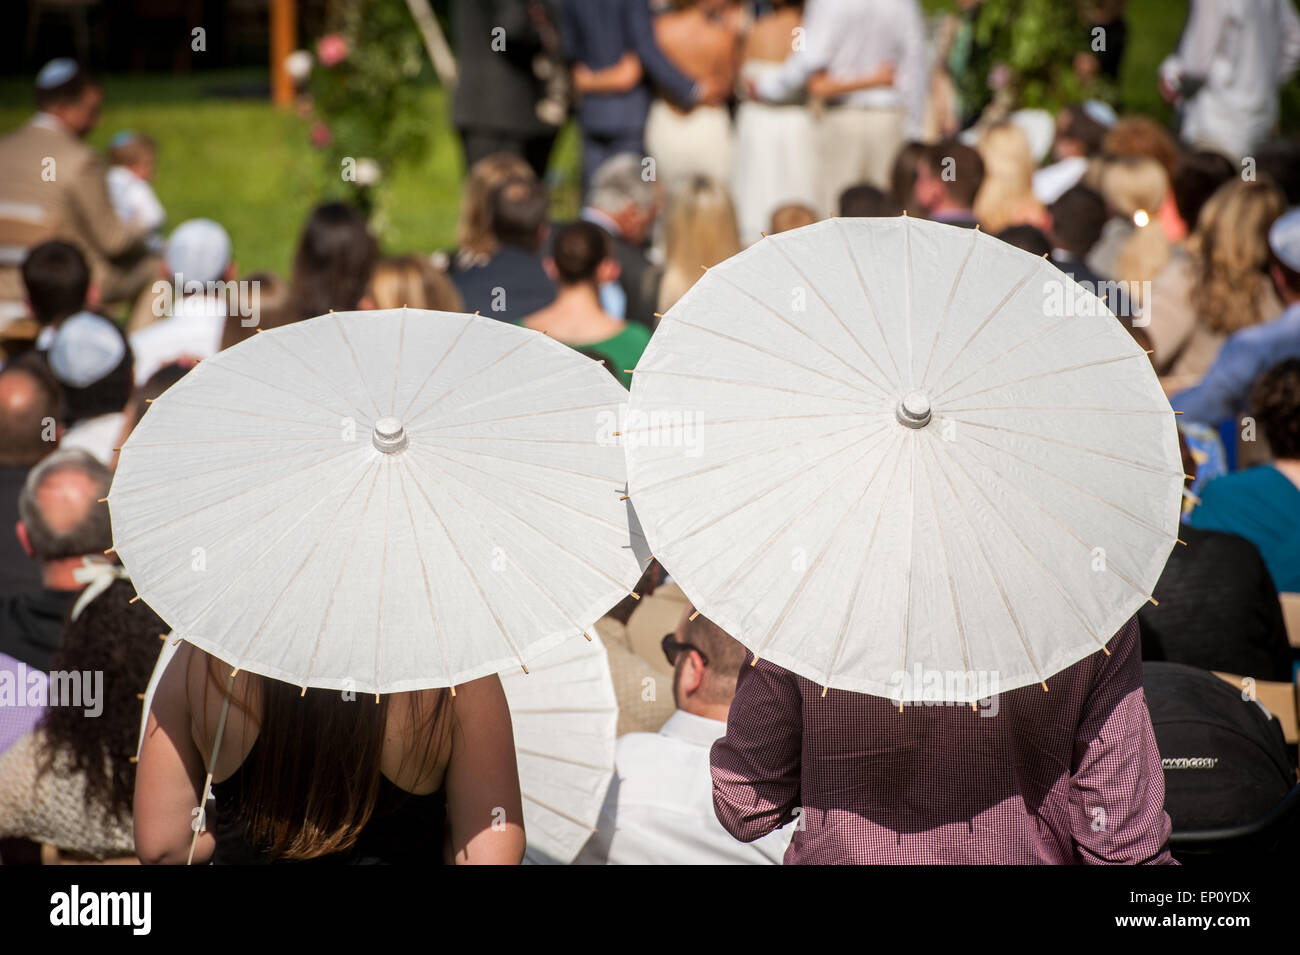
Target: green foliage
(1034,42)
(371,101)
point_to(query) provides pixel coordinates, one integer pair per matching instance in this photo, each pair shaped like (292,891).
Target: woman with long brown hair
(701,232)
(418,778)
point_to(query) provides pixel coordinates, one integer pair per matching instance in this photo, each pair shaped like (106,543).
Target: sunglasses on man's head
(672,647)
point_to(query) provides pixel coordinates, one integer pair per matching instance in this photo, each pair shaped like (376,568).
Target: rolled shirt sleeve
(756,766)
(1117,788)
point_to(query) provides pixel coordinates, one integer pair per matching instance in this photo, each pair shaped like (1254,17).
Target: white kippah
(56,73)
(1099,112)
(198,250)
(1284,238)
(86,348)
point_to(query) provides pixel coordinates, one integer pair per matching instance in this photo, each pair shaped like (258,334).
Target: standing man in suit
(54,186)
(495,108)
(612,46)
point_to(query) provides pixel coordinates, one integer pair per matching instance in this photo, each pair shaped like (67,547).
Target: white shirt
(1052,182)
(134,200)
(850,39)
(659,810)
(98,435)
(194,329)
(1242,51)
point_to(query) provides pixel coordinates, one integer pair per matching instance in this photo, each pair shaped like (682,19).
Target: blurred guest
(902,175)
(871,53)
(702,232)
(1006,196)
(55,187)
(1080,131)
(332,265)
(1133,247)
(1027,238)
(411,281)
(87,353)
(1262,503)
(948,178)
(615,59)
(699,39)
(511,283)
(625,203)
(869,784)
(475,241)
(581,259)
(774,160)
(1220,285)
(1141,137)
(866,201)
(658,809)
(1078,216)
(1248,353)
(202,271)
(1224,77)
(134,163)
(1217,607)
(65,530)
(31,423)
(69,783)
(1199,173)
(792,215)
(495,106)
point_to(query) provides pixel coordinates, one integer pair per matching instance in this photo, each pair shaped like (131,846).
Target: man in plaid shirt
(1067,776)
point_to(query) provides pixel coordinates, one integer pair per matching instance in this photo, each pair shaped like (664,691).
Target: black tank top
(405,829)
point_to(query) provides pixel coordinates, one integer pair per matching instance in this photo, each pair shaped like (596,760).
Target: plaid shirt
(1067,776)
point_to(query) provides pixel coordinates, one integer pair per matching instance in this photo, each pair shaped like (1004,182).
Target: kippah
(85,349)
(56,73)
(1284,239)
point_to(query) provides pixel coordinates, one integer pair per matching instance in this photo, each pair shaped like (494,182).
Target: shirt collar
(50,121)
(690,728)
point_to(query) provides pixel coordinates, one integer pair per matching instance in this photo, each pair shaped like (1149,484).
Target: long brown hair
(316,781)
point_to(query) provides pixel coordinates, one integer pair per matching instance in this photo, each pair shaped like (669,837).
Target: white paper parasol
(379,501)
(881,449)
(564,716)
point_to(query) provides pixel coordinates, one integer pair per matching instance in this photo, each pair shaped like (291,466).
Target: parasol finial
(913,410)
(389,435)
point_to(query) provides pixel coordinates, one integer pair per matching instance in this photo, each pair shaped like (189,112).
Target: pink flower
(999,76)
(331,49)
(320,135)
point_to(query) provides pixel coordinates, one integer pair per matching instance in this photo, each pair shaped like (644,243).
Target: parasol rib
(947,306)
(871,307)
(1051,374)
(465,327)
(997,310)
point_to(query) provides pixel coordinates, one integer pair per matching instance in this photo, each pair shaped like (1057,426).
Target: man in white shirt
(1232,59)
(659,810)
(860,132)
(201,269)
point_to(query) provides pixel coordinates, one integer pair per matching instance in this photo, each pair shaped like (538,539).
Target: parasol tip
(913,410)
(389,435)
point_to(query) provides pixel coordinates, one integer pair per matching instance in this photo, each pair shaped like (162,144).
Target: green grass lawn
(251,167)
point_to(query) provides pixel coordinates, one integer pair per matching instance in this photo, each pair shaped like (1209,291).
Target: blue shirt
(1263,506)
(1245,356)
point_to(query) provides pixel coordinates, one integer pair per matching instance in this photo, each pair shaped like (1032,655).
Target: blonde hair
(701,231)
(1135,187)
(474,228)
(1230,248)
(1006,196)
(412,281)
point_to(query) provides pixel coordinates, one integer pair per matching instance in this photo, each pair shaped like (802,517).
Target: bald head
(31,411)
(59,506)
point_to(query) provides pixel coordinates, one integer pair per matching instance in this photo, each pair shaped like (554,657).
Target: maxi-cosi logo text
(76,908)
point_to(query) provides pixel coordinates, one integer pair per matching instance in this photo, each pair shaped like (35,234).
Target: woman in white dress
(702,39)
(775,163)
